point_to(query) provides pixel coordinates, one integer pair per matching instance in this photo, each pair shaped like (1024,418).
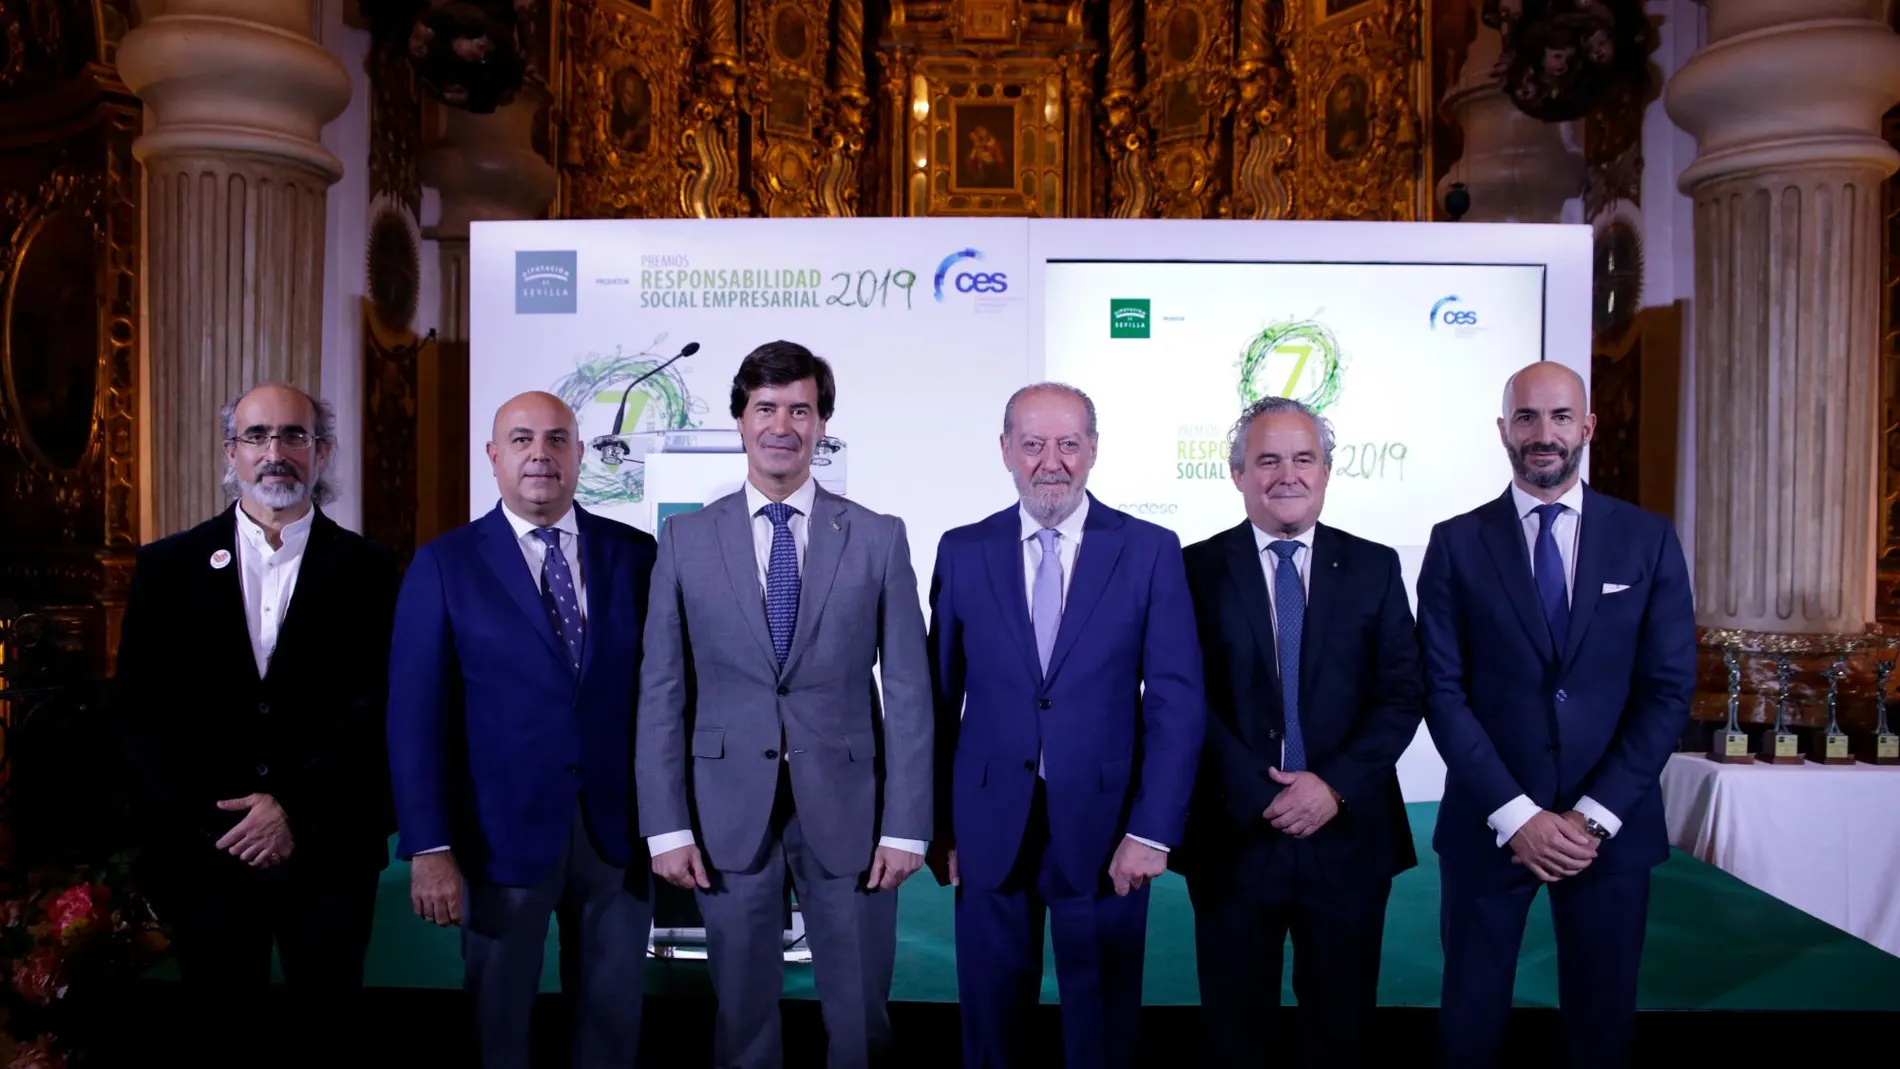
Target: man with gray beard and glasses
(250,692)
(1070,717)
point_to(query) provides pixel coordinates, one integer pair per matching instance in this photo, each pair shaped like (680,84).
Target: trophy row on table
(1779,744)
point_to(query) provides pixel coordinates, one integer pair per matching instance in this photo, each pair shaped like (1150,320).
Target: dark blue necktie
(781,581)
(560,596)
(1289,605)
(1548,566)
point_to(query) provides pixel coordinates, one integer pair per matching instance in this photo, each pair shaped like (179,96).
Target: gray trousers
(853,937)
(603,931)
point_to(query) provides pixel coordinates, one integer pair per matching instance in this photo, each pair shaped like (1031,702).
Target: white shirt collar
(800,499)
(524,528)
(294,532)
(1262,539)
(1070,528)
(1572,499)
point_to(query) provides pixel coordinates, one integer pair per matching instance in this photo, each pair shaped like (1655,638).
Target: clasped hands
(1554,847)
(262,839)
(1304,805)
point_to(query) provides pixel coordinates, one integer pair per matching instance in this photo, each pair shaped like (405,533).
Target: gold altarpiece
(1298,109)
(69,319)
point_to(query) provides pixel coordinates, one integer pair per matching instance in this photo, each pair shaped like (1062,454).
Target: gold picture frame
(1335,12)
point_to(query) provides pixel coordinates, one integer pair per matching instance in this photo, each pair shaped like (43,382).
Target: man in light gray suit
(762,745)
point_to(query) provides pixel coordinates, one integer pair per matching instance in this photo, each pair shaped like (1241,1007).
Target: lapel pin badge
(834,525)
(221,558)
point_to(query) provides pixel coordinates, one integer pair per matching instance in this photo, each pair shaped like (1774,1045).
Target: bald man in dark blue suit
(1559,636)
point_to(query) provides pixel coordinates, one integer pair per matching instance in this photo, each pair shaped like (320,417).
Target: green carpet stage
(1714,944)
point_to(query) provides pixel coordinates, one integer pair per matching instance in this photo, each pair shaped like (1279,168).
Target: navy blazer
(1120,759)
(1361,699)
(491,735)
(1513,715)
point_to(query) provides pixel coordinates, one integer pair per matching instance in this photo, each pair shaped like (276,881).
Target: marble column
(238,93)
(483,167)
(1785,102)
(1516,168)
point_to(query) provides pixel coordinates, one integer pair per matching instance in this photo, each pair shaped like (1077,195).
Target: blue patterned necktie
(1289,603)
(1548,566)
(781,581)
(1045,603)
(560,596)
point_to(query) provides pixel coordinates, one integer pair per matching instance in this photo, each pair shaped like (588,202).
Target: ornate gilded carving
(1263,144)
(395,124)
(69,320)
(846,112)
(625,136)
(1124,127)
(1356,125)
(711,187)
(1189,49)
(1887,607)
(986,119)
(785,61)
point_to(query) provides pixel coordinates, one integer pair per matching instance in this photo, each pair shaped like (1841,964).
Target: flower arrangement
(67,932)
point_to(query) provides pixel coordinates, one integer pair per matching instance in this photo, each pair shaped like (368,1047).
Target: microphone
(690,348)
(612,449)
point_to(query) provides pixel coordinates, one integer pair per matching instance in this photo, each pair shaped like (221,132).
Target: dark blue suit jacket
(1512,715)
(1361,697)
(1118,760)
(490,734)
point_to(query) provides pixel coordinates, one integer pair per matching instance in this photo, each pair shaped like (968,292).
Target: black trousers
(1240,933)
(226,918)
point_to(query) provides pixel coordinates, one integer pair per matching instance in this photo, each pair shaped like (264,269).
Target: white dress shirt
(1270,564)
(1514,814)
(268,578)
(535,553)
(1068,545)
(801,501)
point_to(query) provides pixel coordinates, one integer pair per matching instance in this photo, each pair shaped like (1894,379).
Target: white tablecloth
(1822,838)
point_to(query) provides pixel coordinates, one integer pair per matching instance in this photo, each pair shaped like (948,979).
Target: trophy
(1832,744)
(1729,744)
(1779,746)
(1885,748)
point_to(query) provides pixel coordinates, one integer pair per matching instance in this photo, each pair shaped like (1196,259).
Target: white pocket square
(1615,588)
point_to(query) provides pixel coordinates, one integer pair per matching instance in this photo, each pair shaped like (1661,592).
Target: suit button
(263,707)
(1273,733)
(1552,748)
(1042,703)
(771,755)
(783,690)
(1562,697)
(1029,766)
(263,770)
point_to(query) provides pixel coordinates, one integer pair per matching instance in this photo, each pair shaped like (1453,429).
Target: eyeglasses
(292,439)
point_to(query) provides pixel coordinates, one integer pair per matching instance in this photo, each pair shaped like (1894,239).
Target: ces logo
(1452,317)
(968,281)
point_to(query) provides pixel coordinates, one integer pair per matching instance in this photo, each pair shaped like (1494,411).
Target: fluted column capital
(226,77)
(1786,84)
(484,167)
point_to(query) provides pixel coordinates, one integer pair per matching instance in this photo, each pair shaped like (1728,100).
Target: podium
(679,931)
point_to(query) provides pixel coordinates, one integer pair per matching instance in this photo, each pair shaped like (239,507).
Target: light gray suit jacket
(713,699)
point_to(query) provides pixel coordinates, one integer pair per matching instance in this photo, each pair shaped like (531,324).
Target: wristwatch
(1590,825)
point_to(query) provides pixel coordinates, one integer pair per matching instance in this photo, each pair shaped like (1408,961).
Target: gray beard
(1051,511)
(277,497)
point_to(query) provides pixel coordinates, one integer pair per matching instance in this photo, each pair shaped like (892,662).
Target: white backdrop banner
(1401,334)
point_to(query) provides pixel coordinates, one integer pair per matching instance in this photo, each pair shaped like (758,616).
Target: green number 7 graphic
(1302,351)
